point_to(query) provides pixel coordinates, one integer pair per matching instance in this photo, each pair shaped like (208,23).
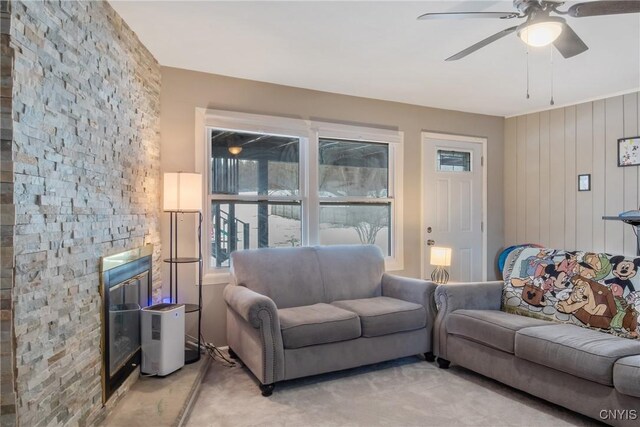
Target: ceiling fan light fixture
(540,34)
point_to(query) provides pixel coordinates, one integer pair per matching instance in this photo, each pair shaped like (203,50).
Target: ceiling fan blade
(481,44)
(598,8)
(466,15)
(569,44)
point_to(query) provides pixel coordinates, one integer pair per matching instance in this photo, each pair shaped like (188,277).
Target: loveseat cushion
(291,277)
(494,328)
(579,351)
(626,375)
(351,271)
(317,324)
(384,315)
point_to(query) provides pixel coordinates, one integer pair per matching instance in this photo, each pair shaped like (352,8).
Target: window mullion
(270,199)
(391,173)
(355,200)
(312,208)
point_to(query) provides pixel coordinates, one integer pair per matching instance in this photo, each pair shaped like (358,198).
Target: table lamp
(441,258)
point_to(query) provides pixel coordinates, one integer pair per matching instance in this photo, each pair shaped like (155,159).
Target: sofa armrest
(412,290)
(470,296)
(251,306)
(253,332)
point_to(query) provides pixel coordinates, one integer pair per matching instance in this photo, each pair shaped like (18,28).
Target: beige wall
(544,154)
(183,91)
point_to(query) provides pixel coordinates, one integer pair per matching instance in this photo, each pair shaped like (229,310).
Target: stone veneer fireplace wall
(7,393)
(86,183)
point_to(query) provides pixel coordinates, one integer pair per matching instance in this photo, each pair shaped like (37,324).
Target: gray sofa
(590,372)
(294,312)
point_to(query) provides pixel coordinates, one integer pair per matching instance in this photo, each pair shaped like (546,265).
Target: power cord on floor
(214,352)
(146,375)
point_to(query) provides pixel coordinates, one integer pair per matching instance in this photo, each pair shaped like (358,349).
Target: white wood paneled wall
(544,154)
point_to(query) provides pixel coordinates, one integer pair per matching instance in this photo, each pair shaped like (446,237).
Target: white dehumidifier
(162,339)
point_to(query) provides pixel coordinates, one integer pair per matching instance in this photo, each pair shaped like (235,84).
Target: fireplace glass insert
(126,289)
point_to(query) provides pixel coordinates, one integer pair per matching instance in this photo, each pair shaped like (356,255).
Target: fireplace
(125,288)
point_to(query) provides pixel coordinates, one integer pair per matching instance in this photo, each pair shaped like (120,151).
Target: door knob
(431,242)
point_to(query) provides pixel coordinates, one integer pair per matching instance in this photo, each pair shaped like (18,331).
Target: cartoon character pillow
(595,290)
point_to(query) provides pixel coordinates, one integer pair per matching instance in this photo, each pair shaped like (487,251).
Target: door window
(453,161)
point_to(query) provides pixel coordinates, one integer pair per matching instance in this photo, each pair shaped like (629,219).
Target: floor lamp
(183,195)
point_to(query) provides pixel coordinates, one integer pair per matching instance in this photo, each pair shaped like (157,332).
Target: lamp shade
(440,256)
(182,192)
(540,34)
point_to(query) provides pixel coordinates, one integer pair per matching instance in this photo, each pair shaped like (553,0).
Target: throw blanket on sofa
(595,290)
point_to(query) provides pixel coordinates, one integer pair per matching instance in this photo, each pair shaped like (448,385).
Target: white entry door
(453,204)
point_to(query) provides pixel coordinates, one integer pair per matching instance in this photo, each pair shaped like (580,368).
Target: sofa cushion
(291,277)
(626,375)
(351,271)
(494,328)
(384,315)
(596,290)
(578,351)
(317,324)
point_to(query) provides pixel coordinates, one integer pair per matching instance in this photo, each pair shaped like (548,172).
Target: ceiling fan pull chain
(551,57)
(527,71)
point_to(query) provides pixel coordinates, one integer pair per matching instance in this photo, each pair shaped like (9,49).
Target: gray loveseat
(590,372)
(295,312)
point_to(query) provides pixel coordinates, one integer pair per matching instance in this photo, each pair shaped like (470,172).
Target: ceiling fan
(540,27)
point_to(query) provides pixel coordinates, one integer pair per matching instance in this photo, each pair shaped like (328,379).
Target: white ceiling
(379,50)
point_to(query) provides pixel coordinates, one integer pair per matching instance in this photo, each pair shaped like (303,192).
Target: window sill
(393,264)
(216,278)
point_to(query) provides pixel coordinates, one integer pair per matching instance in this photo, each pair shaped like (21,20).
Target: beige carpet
(405,392)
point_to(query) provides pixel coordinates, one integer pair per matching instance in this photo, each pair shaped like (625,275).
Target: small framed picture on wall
(584,182)
(629,151)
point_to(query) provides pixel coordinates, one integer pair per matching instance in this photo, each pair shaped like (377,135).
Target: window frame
(394,140)
(471,159)
(250,199)
(309,133)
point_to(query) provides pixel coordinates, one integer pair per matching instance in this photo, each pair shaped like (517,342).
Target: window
(254,193)
(353,188)
(276,182)
(453,161)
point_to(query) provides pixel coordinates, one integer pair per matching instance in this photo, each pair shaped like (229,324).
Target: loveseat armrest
(251,306)
(411,290)
(253,332)
(468,296)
